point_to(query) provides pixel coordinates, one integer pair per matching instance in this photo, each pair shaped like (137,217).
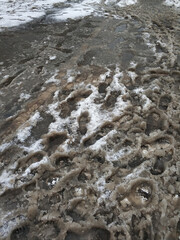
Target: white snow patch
(103,77)
(115,156)
(175,3)
(51,58)
(55,126)
(146,37)
(14,13)
(7,180)
(116,84)
(136,172)
(79,191)
(5,77)
(24,132)
(53,79)
(103,141)
(133,64)
(146,100)
(71,75)
(121,3)
(104,193)
(10,224)
(77,10)
(4,146)
(101,184)
(35,165)
(53,182)
(132,75)
(25,96)
(35,147)
(97,115)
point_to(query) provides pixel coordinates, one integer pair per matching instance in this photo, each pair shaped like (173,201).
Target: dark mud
(92,152)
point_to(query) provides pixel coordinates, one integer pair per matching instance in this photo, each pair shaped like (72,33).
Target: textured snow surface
(14,13)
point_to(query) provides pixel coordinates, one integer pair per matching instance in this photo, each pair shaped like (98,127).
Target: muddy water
(92,152)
